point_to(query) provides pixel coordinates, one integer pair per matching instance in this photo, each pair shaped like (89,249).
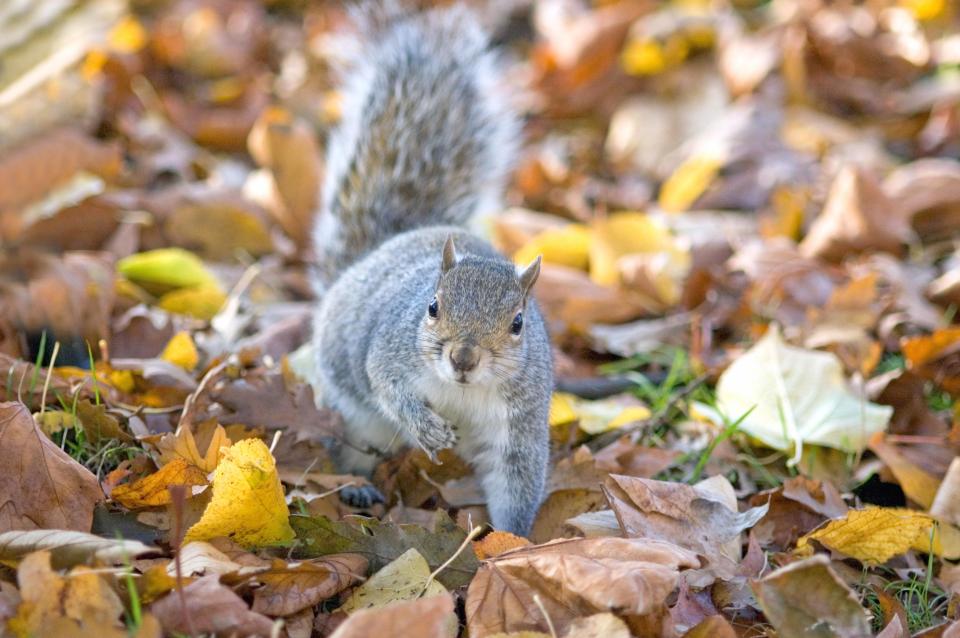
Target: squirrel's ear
(528,276)
(449,254)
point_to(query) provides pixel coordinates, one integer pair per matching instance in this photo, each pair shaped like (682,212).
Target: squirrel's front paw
(435,434)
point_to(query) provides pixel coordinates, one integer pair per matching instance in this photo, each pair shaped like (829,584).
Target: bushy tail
(426,138)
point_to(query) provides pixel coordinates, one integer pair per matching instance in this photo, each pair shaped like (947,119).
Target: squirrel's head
(473,328)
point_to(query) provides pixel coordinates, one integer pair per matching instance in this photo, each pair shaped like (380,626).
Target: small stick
(473,534)
(276,439)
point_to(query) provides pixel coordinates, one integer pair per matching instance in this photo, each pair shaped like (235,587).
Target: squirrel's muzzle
(464,357)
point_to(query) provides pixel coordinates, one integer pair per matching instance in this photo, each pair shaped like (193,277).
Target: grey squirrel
(425,334)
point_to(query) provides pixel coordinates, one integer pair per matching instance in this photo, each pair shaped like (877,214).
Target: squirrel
(425,335)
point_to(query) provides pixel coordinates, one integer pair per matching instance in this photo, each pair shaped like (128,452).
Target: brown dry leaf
(702,518)
(808,594)
(927,192)
(33,169)
(210,608)
(182,445)
(288,148)
(919,485)
(432,616)
(570,299)
(287,588)
(198,226)
(83,604)
(796,508)
(574,578)
(936,357)
(265,401)
(598,626)
(857,217)
(152,490)
(628,458)
(712,627)
(41,487)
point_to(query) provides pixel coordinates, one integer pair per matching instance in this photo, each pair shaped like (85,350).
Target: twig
(188,406)
(46,382)
(473,534)
(276,439)
(178,494)
(543,610)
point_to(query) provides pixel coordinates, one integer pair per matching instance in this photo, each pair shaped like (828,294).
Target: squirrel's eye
(434,308)
(517,324)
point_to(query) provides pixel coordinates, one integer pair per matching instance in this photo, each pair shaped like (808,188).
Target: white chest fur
(478,411)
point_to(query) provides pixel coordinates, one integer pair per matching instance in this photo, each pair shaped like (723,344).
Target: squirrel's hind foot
(361,496)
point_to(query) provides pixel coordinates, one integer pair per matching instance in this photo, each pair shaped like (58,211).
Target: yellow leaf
(151,491)
(166,269)
(181,351)
(688,182)
(561,409)
(183,445)
(594,416)
(630,233)
(122,380)
(876,534)
(128,36)
(403,579)
(925,9)
(202,302)
(628,416)
(567,246)
(647,56)
(248,504)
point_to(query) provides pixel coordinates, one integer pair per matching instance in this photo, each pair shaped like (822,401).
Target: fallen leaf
(918,484)
(856,217)
(153,490)
(98,424)
(688,182)
(634,234)
(712,627)
(877,534)
(795,508)
(248,504)
(934,357)
(405,578)
(199,226)
(166,269)
(181,351)
(573,578)
(381,543)
(287,588)
(61,496)
(808,594)
(702,518)
(796,397)
(81,604)
(496,543)
(568,246)
(182,445)
(432,616)
(211,609)
(598,626)
(200,302)
(946,503)
(67,548)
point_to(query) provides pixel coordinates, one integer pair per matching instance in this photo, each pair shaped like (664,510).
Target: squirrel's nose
(464,357)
